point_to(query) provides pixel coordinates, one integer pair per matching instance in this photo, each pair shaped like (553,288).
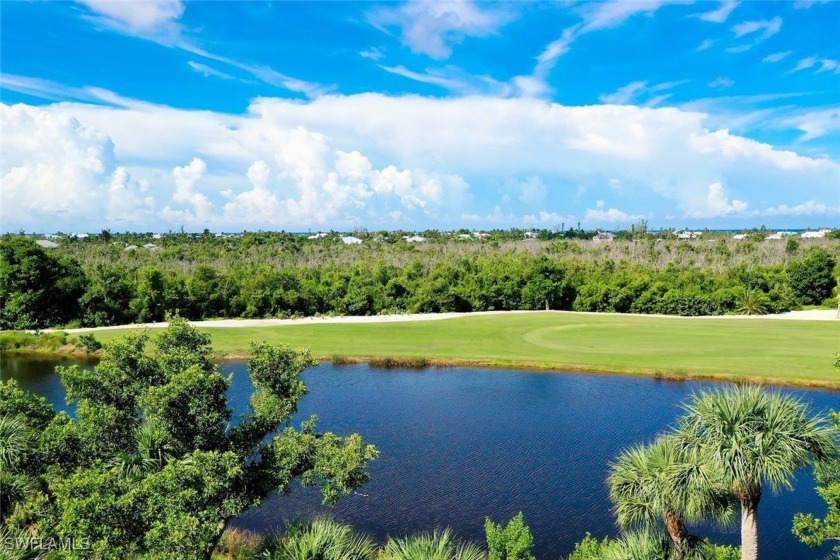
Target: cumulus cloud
(55,170)
(363,159)
(809,208)
(547,219)
(532,191)
(198,209)
(716,204)
(611,215)
(129,203)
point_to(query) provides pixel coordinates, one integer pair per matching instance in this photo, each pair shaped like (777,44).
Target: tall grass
(437,545)
(319,539)
(19,341)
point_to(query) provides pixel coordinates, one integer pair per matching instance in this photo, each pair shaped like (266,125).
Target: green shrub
(812,277)
(512,542)
(89,342)
(590,548)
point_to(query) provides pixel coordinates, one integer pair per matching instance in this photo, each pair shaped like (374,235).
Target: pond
(459,444)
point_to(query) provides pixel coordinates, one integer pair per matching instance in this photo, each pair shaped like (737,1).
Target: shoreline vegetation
(771,352)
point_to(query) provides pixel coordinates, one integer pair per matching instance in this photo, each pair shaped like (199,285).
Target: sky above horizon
(154,116)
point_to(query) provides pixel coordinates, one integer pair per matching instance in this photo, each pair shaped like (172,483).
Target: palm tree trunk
(677,531)
(749,526)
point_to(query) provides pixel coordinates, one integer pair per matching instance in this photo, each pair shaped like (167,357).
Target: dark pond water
(461,444)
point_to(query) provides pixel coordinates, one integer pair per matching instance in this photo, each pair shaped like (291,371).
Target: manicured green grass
(796,352)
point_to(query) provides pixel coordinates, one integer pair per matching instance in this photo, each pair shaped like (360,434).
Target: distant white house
(80,235)
(780,235)
(318,235)
(47,244)
(531,235)
(131,248)
(350,240)
(465,236)
(739,236)
(603,237)
(479,235)
(816,234)
(688,234)
(52,236)
(151,247)
(159,236)
(414,239)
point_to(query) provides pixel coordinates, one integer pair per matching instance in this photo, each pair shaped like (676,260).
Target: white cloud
(715,205)
(804,64)
(546,219)
(757,31)
(357,160)
(196,206)
(809,208)
(158,21)
(595,16)
(496,217)
(828,65)
(815,123)
(373,53)
(721,14)
(722,82)
(767,27)
(532,191)
(145,16)
(127,207)
(55,170)
(432,28)
(208,71)
(611,215)
(640,92)
(776,57)
(612,13)
(805,4)
(705,45)
(453,79)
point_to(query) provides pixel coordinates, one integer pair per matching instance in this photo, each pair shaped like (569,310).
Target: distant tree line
(96,282)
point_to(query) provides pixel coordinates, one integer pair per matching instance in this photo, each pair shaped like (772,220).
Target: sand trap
(810,315)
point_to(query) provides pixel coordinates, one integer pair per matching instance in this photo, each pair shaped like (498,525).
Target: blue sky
(296,116)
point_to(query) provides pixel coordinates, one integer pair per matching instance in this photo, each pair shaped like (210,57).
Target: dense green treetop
(153,462)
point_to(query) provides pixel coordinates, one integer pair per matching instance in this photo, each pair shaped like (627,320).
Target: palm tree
(437,545)
(319,539)
(753,437)
(655,545)
(664,482)
(151,451)
(752,302)
(15,437)
(15,441)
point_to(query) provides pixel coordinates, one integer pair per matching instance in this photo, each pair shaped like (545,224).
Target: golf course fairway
(772,351)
